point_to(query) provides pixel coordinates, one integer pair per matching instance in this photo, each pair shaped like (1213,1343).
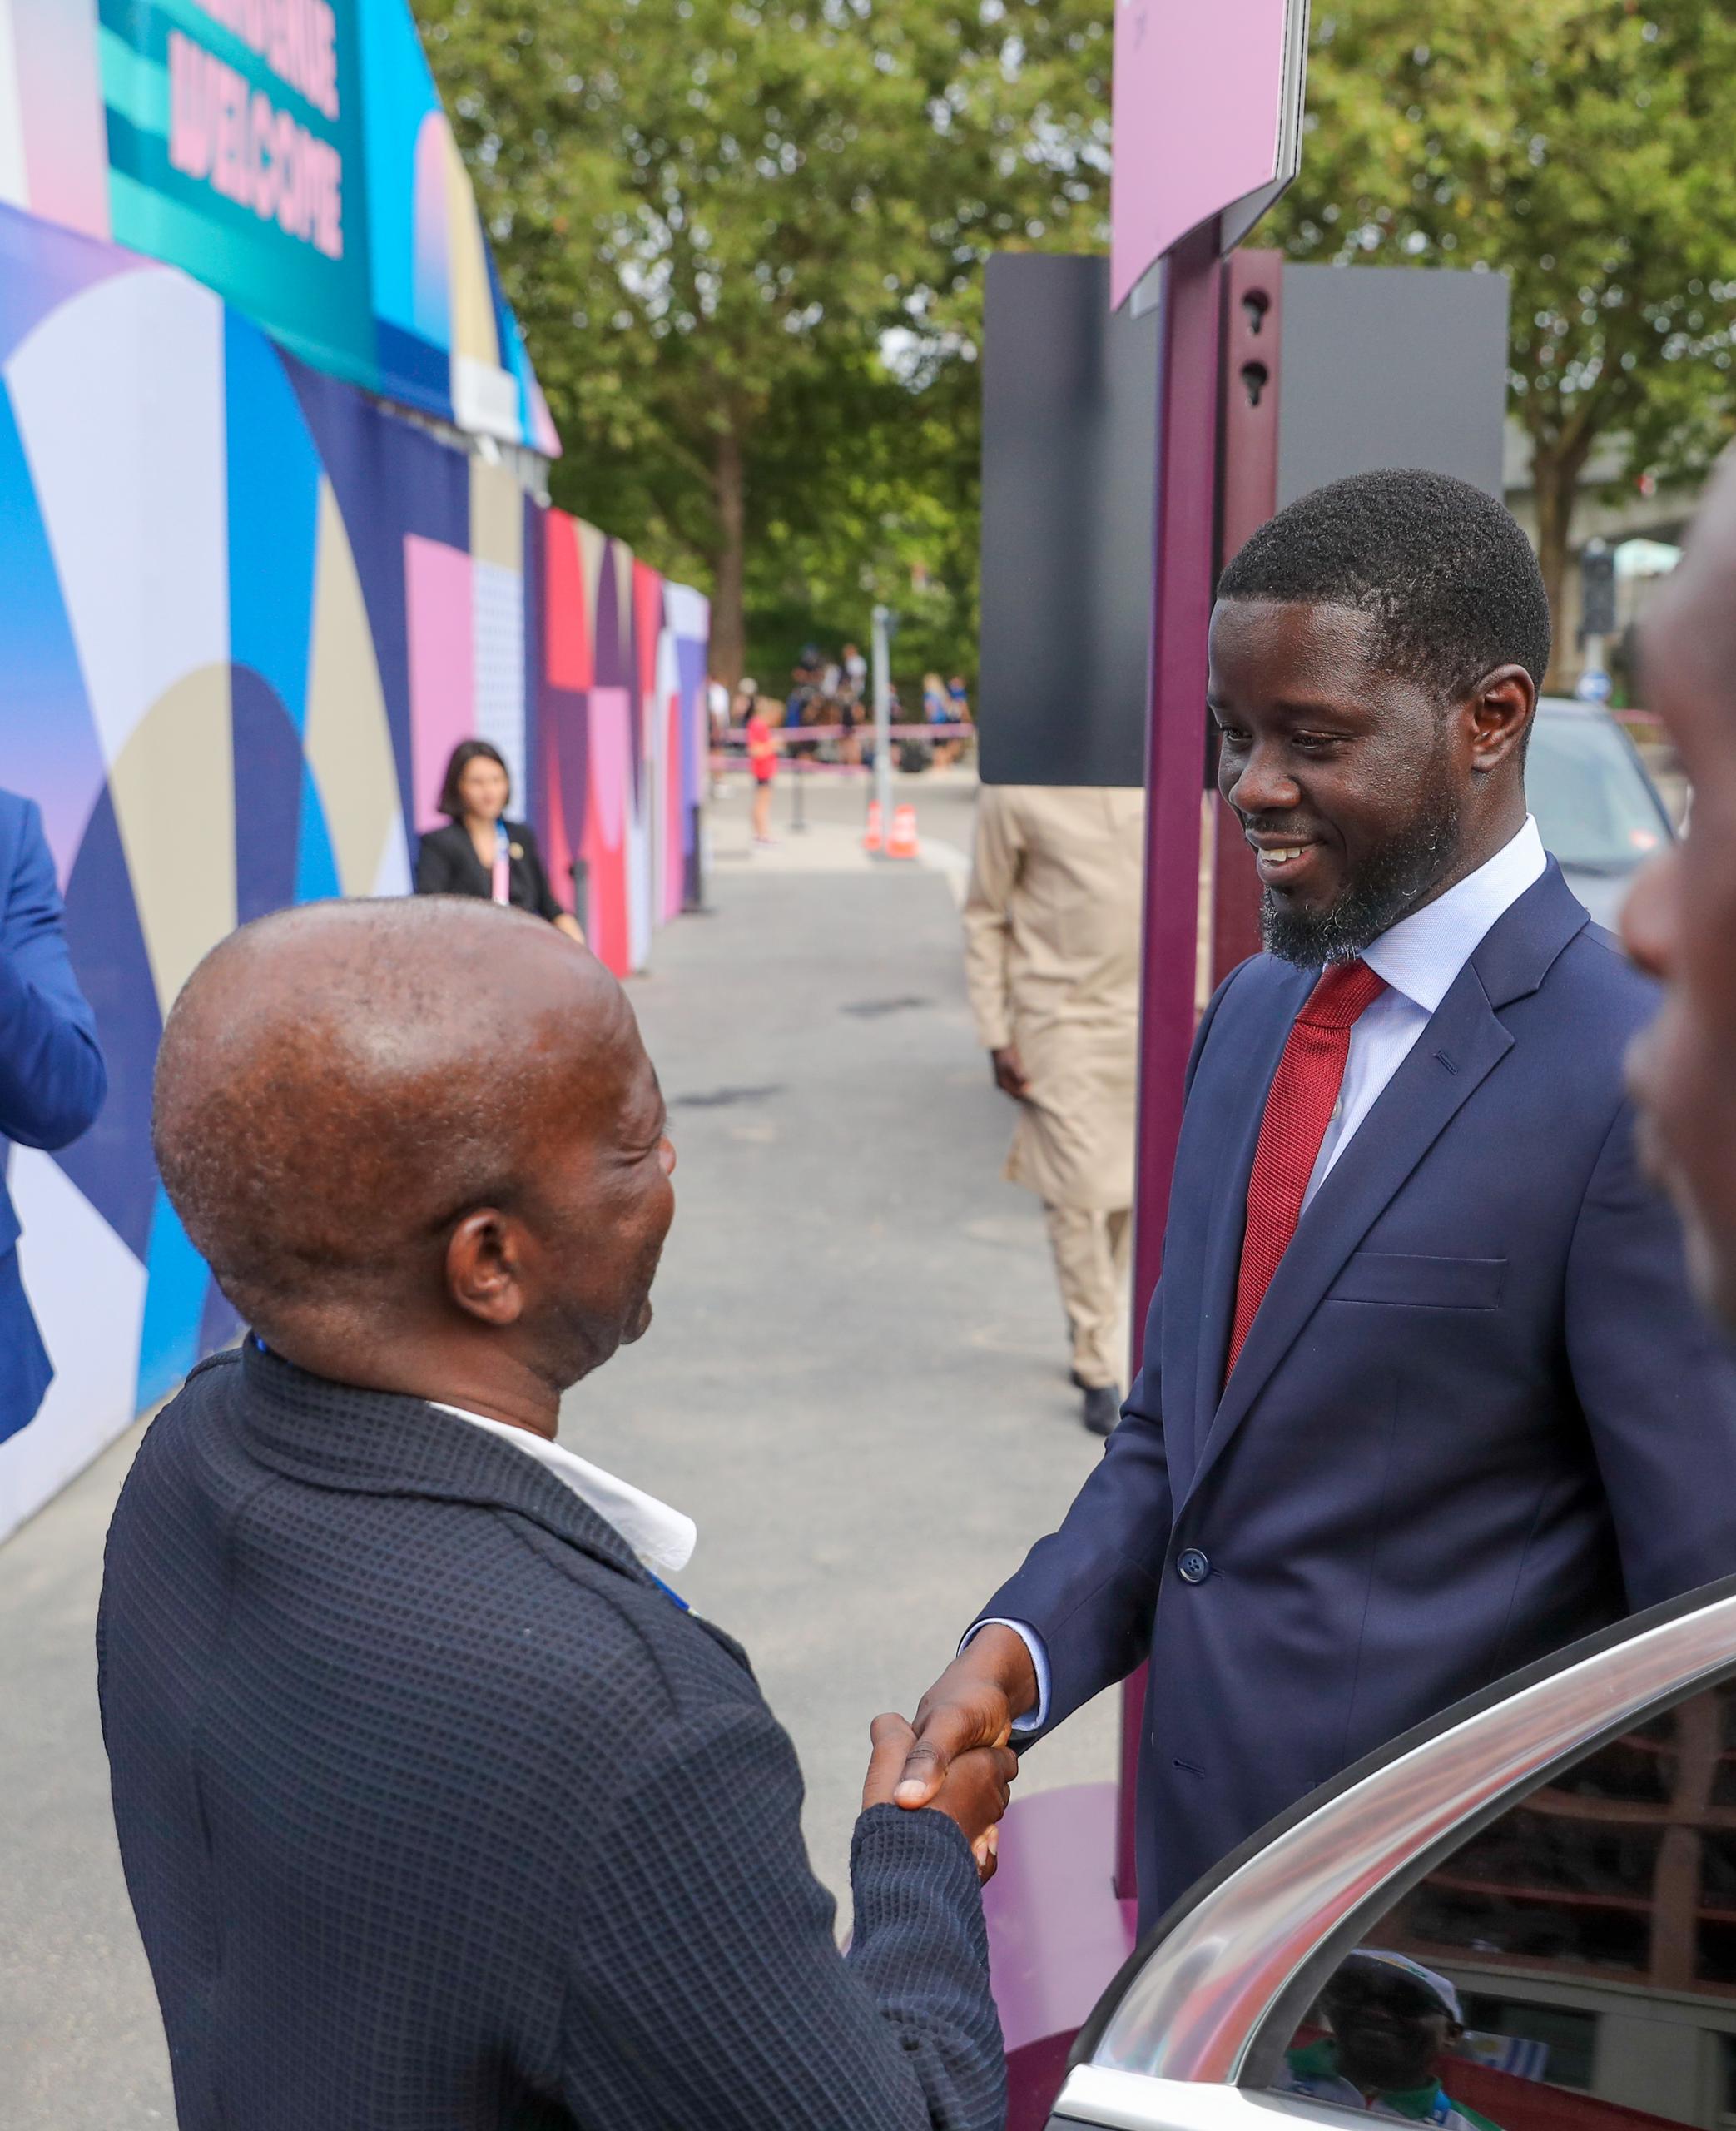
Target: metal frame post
(1254,337)
(1184,561)
(882,654)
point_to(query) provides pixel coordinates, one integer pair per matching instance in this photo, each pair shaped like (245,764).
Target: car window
(1593,807)
(1571,1967)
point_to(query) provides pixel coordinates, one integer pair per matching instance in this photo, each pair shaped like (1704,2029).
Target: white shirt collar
(1422,955)
(661,1537)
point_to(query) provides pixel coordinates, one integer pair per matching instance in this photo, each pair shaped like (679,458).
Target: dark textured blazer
(1477,1416)
(53,1081)
(447,865)
(438,1814)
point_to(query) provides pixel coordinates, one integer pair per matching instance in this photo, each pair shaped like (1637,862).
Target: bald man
(438,1807)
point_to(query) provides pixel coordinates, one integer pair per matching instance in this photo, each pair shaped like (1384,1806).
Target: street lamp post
(883,714)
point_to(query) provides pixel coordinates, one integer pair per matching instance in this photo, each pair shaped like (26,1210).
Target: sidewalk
(856,1383)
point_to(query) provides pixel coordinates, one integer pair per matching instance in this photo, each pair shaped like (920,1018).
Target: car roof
(1570,707)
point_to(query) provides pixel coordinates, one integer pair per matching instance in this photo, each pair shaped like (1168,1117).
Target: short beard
(1392,884)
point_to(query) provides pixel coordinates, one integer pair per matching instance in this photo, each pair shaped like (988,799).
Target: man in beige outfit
(1051,963)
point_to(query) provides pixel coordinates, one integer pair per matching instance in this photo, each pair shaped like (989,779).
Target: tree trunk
(729,628)
(1556,471)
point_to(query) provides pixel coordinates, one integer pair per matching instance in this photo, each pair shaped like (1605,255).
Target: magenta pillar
(1185,546)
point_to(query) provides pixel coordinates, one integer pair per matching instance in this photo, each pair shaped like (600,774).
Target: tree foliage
(1582,147)
(744,239)
(741,236)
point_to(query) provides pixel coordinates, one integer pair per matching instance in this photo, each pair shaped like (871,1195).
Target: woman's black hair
(463,755)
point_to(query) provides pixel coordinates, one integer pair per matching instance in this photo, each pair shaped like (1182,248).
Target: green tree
(743,238)
(1582,147)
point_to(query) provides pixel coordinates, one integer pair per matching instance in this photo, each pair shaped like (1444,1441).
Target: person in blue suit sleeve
(1474,1414)
(52,1076)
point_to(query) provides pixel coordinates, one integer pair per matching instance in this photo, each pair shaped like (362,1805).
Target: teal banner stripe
(135,88)
(145,25)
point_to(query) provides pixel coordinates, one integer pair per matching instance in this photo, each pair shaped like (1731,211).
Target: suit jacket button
(1193,1566)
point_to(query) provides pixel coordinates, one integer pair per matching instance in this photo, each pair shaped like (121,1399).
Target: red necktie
(1304,1093)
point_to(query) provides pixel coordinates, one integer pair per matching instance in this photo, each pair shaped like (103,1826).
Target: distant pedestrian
(855,669)
(716,707)
(958,714)
(1052,961)
(52,1079)
(762,761)
(481,852)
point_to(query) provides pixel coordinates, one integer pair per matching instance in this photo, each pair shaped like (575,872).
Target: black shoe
(1103,1408)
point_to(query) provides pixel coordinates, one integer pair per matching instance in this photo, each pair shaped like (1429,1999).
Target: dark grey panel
(1379,366)
(1392,366)
(1069,425)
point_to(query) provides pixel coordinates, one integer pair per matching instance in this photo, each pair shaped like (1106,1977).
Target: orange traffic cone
(874,835)
(902,841)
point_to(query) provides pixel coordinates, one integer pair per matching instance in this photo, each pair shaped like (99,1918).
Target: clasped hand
(956,1757)
(973,1791)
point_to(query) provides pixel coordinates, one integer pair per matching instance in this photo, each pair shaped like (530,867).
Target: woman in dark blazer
(481,852)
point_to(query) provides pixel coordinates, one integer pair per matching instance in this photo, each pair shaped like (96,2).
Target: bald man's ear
(482,1267)
(1501,715)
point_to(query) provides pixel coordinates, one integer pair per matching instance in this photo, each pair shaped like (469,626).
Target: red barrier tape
(841,732)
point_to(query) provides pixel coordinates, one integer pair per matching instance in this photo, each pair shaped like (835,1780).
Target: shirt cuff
(1035,1719)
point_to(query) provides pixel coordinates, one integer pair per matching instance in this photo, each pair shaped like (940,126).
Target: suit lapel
(1461,1045)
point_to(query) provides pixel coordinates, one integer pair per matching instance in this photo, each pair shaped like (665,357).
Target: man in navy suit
(1425,1394)
(52,1076)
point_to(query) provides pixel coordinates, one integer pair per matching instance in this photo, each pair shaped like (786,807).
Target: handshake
(956,1756)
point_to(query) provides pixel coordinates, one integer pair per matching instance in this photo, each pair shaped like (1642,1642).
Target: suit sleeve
(706,1992)
(433,866)
(1655,1381)
(52,1079)
(1088,1591)
(995,859)
(546,905)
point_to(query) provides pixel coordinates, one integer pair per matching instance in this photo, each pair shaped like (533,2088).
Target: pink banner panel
(674,813)
(66,147)
(1198,106)
(442,663)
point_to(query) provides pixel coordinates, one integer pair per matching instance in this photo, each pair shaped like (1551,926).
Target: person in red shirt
(762,758)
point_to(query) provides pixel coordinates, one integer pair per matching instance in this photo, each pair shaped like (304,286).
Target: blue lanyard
(674,1598)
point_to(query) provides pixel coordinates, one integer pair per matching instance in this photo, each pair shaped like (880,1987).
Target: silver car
(1598,811)
(1522,1915)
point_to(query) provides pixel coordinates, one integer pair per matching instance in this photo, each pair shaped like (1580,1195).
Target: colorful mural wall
(244,614)
(292,155)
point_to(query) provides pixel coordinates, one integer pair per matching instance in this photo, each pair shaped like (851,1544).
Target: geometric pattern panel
(236,595)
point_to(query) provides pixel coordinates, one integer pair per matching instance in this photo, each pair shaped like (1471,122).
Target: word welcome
(227,134)
(297,39)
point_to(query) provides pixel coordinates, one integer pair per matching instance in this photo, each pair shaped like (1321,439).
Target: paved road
(856,1383)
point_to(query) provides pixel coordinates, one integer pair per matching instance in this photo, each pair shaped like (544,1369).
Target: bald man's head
(345,1088)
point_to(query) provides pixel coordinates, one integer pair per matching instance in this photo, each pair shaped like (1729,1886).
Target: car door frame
(1213,1994)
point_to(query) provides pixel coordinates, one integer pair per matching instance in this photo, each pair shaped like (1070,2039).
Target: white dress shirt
(1420,958)
(661,1537)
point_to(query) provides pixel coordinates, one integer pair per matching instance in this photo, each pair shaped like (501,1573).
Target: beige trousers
(1093,1254)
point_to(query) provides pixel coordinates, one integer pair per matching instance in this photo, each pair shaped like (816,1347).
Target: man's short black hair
(1444,569)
